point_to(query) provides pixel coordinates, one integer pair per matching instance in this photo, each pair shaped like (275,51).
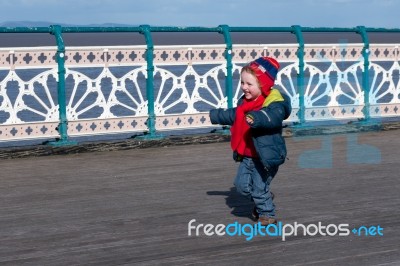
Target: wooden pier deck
(132,207)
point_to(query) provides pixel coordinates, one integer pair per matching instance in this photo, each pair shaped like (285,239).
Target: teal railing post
(365,79)
(224,30)
(151,121)
(62,128)
(300,75)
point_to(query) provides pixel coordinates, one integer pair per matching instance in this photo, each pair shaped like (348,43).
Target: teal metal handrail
(151,121)
(300,76)
(225,30)
(365,77)
(228,56)
(62,107)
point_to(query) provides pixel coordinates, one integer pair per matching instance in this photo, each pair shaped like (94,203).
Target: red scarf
(241,140)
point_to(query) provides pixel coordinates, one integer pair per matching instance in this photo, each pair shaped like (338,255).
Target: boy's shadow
(240,205)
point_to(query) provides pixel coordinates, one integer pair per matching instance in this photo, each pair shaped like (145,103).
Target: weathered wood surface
(132,207)
(137,143)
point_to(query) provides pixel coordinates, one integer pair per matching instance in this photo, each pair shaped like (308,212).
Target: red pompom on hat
(265,69)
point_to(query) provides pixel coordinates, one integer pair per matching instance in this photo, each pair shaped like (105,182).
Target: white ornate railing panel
(106,86)
(282,52)
(384,78)
(333,88)
(97,56)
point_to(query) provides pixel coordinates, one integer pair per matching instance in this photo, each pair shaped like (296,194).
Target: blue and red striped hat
(265,69)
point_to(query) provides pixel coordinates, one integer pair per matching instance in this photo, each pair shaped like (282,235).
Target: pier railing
(61,92)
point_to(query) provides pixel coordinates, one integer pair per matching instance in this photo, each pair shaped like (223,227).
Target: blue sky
(207,13)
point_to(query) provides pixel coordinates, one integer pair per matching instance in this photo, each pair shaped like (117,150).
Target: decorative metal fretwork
(106,86)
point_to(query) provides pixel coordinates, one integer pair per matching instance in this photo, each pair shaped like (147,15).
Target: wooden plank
(134,206)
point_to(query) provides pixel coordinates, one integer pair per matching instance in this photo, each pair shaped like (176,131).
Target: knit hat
(265,69)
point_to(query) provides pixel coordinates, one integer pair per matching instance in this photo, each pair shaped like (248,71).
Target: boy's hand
(249,119)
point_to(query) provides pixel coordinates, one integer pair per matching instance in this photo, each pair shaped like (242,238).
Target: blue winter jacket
(266,129)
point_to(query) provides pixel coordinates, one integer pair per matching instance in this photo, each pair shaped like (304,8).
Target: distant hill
(13,24)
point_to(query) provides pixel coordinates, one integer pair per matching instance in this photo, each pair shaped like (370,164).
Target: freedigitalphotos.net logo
(249,231)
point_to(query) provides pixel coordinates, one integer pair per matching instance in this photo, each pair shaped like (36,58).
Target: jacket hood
(276,96)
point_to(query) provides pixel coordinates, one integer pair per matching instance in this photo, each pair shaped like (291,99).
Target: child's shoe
(265,221)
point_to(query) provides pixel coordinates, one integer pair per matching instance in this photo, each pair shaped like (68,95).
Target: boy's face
(249,86)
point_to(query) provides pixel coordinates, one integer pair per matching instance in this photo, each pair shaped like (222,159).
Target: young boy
(256,134)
